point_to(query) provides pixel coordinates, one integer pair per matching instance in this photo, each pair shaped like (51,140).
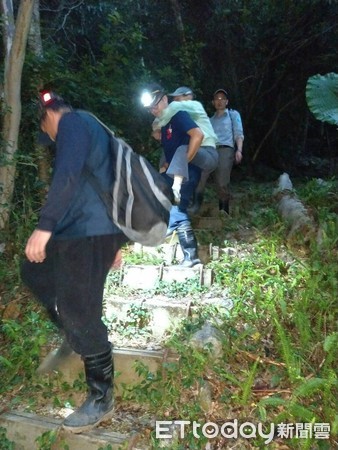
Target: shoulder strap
(109,131)
(88,173)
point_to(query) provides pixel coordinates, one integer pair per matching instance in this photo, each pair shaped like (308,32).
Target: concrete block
(147,277)
(24,428)
(141,277)
(162,312)
(207,277)
(166,252)
(124,362)
(169,252)
(181,274)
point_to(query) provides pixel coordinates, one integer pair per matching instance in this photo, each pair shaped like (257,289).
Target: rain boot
(224,206)
(196,206)
(188,245)
(99,403)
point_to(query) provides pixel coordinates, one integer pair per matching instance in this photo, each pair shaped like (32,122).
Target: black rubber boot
(224,206)
(188,245)
(99,403)
(196,206)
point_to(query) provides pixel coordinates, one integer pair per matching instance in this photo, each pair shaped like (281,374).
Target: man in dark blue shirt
(179,136)
(72,249)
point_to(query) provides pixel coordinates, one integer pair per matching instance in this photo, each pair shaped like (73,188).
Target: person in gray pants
(227,124)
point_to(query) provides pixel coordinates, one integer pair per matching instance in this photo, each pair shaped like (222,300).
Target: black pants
(71,279)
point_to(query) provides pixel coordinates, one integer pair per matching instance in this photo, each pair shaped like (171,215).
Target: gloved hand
(176,188)
(177,193)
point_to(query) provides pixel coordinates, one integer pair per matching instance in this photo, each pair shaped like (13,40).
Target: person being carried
(197,112)
(205,157)
(72,249)
(180,133)
(227,124)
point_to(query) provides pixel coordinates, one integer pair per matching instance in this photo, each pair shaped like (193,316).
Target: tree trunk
(15,40)
(301,227)
(42,158)
(34,37)
(179,22)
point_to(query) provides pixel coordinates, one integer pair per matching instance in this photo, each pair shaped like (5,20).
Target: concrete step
(148,276)
(24,428)
(170,251)
(162,313)
(124,362)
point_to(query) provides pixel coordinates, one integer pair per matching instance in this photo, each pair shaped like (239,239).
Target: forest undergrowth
(279,339)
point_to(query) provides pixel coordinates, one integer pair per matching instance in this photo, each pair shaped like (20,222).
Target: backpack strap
(89,174)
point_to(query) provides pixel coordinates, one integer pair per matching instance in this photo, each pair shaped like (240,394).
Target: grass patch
(279,340)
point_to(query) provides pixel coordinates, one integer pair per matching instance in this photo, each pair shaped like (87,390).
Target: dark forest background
(100,54)
(280,332)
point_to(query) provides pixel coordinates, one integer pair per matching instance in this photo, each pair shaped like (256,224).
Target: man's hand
(117,263)
(238,156)
(36,246)
(164,167)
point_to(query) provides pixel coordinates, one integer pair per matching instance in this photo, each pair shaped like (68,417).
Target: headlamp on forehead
(146,99)
(151,99)
(48,97)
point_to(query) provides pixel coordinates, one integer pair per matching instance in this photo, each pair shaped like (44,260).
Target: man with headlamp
(72,249)
(181,139)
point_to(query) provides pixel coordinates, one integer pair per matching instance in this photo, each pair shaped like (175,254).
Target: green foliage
(106,447)
(176,289)
(283,317)
(49,439)
(279,333)
(21,340)
(136,322)
(322,97)
(99,55)
(141,258)
(5,444)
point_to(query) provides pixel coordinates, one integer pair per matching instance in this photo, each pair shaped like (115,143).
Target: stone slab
(163,313)
(141,277)
(181,274)
(171,251)
(124,362)
(24,428)
(148,276)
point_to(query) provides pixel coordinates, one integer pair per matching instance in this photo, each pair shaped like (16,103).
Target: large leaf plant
(322,97)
